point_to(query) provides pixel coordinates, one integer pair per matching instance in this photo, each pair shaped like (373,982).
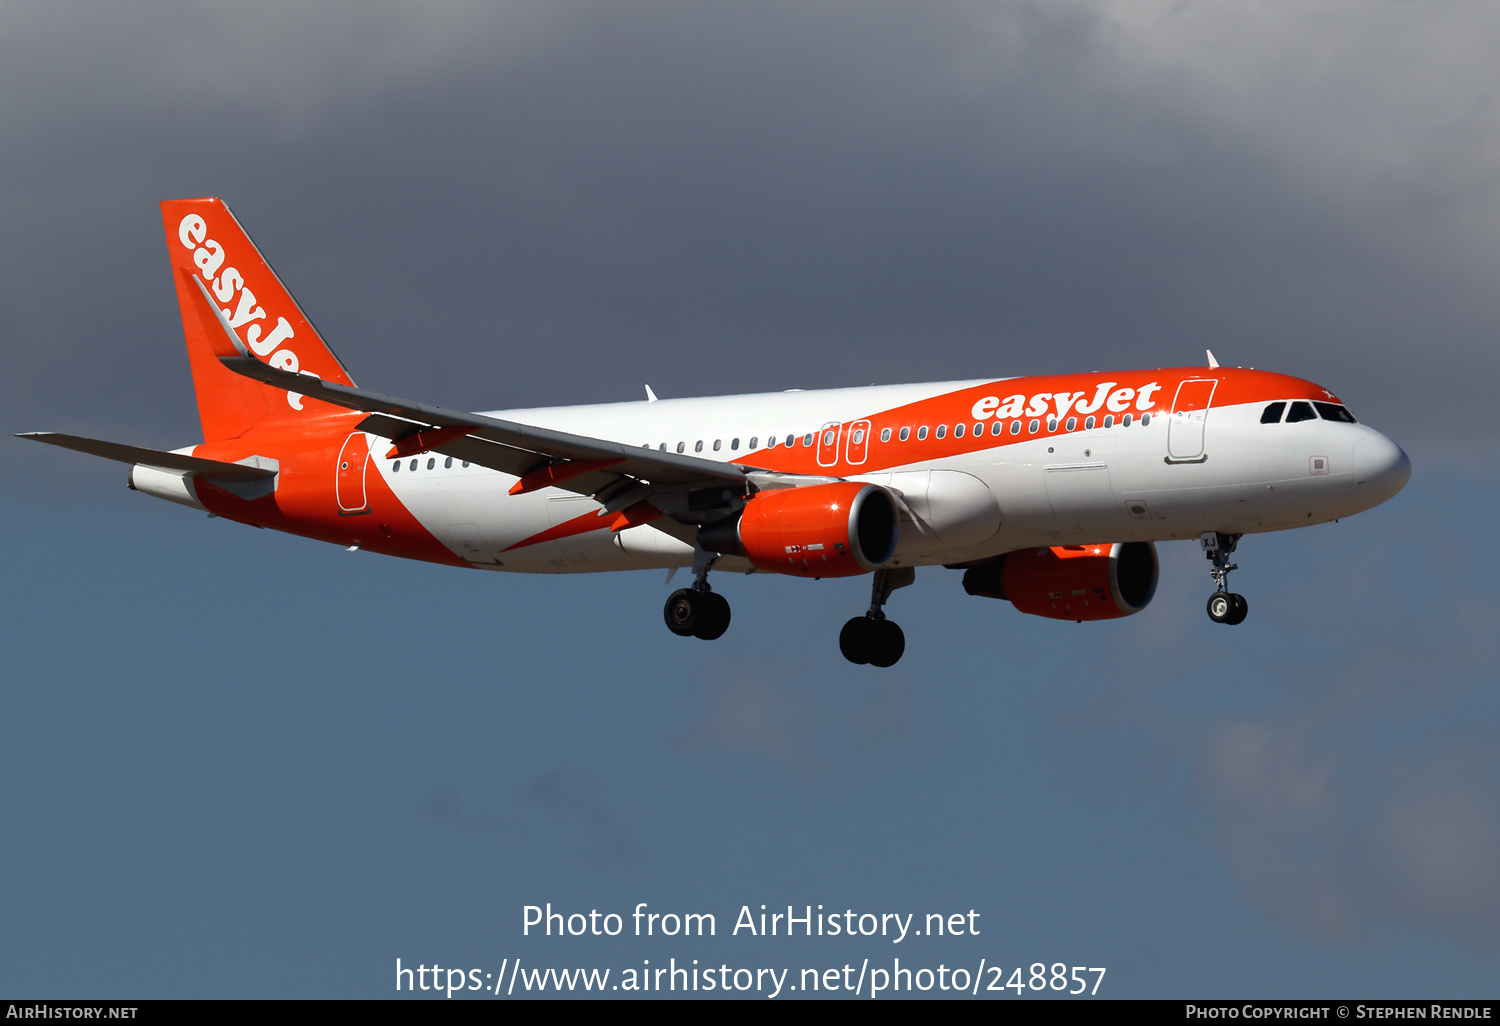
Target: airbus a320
(1048,492)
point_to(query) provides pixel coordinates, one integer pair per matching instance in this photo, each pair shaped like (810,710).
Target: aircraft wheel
(855,640)
(889,643)
(1221,607)
(713,621)
(1240,611)
(683,611)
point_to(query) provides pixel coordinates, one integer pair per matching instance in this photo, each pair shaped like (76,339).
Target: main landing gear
(1223,605)
(872,638)
(698,611)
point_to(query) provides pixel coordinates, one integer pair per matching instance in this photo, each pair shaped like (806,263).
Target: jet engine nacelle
(1071,582)
(829,530)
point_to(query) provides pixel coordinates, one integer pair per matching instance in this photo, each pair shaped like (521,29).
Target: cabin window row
(772,441)
(904,434)
(431,464)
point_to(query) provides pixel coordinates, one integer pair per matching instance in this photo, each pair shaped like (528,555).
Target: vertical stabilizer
(205,241)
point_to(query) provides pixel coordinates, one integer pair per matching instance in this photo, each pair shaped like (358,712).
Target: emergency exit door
(349,481)
(1189,417)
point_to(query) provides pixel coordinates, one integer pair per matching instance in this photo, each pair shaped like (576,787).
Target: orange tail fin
(205,240)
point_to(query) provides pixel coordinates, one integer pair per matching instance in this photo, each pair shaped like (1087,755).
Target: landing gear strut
(698,611)
(872,638)
(1223,605)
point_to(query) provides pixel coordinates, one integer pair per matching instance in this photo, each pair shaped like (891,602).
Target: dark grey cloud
(565,807)
(1351,787)
(1342,861)
(534,203)
(755,710)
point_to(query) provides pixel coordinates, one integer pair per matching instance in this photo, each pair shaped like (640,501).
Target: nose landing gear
(872,639)
(698,611)
(1223,605)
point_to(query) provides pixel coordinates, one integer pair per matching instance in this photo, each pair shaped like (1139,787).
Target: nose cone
(1381,468)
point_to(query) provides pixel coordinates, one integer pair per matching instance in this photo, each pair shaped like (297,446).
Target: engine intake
(829,530)
(1071,582)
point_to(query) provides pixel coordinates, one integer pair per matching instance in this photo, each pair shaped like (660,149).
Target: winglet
(1211,361)
(650,395)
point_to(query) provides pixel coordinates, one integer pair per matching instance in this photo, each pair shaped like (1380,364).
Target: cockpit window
(1272,414)
(1333,411)
(1301,411)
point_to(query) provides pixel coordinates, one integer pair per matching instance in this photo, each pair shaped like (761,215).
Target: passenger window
(682,447)
(827,437)
(395,466)
(734,444)
(432,463)
(1272,414)
(754,441)
(1072,423)
(664,447)
(1033,427)
(807,440)
(466,463)
(905,433)
(1125,420)
(1333,411)
(1051,423)
(958,431)
(859,436)
(885,434)
(413,465)
(922,433)
(1109,420)
(1015,427)
(942,430)
(1299,412)
(699,446)
(996,428)
(717,443)
(791,440)
(1145,420)
(1088,425)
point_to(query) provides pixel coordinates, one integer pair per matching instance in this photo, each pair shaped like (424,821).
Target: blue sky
(244,764)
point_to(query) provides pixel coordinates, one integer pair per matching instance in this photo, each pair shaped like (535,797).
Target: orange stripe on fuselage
(305,503)
(640,513)
(1236,386)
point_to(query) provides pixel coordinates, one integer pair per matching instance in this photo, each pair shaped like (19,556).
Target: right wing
(689,489)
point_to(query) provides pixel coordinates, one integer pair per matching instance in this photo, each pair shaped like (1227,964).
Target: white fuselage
(1151,481)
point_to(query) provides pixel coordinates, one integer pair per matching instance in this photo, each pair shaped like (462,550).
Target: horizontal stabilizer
(212,469)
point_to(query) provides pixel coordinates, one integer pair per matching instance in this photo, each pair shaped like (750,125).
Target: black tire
(682,612)
(855,640)
(713,621)
(1220,606)
(1240,610)
(890,643)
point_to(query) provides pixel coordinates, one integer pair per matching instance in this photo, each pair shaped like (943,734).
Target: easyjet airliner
(1049,492)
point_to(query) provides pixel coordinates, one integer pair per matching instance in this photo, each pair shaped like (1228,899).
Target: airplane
(1049,492)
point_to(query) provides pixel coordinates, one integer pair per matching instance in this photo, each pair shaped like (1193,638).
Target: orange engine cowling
(828,530)
(1071,582)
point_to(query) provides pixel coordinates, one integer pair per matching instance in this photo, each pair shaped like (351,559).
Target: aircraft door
(1189,415)
(349,480)
(859,442)
(828,444)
